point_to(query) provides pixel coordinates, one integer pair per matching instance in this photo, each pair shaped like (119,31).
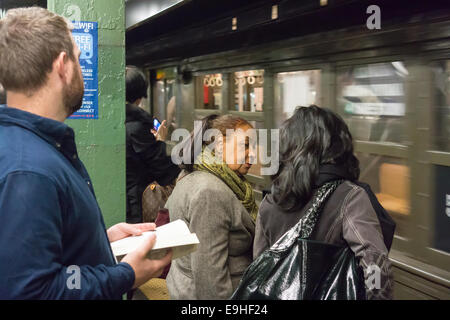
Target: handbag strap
(305,226)
(308,221)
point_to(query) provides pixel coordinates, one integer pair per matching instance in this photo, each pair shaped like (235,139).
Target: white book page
(175,235)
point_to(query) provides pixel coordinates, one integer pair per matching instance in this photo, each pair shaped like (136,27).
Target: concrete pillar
(101,143)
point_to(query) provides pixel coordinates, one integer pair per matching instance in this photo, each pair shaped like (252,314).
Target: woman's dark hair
(214,121)
(312,137)
(136,84)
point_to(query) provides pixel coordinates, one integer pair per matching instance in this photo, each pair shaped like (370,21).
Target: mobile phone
(156,124)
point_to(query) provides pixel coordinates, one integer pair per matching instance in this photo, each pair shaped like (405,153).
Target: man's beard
(73,93)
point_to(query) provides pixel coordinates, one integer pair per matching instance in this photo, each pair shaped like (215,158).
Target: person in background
(147,160)
(316,147)
(2,95)
(53,242)
(217,203)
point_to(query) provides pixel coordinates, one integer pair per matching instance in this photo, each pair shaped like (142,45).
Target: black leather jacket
(147,160)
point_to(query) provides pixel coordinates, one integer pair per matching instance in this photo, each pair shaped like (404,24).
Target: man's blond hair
(30,41)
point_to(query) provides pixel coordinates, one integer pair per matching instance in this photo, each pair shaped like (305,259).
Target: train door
(164,88)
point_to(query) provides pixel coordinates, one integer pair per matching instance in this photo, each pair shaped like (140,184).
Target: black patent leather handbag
(297,268)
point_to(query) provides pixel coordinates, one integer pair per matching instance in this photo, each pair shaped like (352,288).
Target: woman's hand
(161,134)
(123,230)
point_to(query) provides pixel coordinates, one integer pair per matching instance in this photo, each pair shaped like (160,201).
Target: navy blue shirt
(49,217)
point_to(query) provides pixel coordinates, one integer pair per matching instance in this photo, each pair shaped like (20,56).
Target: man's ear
(60,65)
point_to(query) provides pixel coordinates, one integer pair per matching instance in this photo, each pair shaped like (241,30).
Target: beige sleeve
(261,242)
(211,221)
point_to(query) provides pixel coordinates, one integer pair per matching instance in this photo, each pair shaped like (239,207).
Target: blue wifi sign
(85,35)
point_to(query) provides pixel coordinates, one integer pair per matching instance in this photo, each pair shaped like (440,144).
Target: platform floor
(154,289)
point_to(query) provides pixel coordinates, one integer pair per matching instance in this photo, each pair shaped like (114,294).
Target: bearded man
(53,242)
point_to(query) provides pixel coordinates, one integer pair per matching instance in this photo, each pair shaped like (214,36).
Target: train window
(248,91)
(209,91)
(441,142)
(441,73)
(390,180)
(371,99)
(163,95)
(298,88)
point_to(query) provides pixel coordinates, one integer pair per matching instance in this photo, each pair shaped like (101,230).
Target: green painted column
(101,143)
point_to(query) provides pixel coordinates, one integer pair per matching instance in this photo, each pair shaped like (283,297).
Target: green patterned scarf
(241,187)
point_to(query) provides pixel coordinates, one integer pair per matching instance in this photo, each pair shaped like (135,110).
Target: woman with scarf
(217,203)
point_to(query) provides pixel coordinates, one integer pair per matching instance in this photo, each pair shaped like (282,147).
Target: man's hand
(144,268)
(123,230)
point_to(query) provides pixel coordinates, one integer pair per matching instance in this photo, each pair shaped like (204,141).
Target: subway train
(384,66)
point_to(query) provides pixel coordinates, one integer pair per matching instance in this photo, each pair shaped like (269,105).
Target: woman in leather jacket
(316,147)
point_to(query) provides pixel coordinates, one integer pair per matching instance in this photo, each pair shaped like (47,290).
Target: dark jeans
(134,204)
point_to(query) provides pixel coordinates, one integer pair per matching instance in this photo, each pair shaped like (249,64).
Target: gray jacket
(347,218)
(225,231)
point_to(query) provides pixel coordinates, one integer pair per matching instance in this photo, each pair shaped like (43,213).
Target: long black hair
(312,137)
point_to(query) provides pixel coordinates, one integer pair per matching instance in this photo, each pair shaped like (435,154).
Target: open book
(174,235)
